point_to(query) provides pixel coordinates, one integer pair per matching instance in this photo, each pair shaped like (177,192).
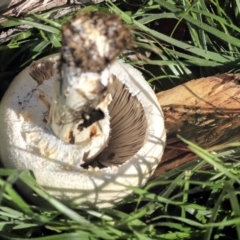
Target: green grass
(189,202)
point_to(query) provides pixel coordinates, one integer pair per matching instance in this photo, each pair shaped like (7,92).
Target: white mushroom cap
(29,143)
(115,152)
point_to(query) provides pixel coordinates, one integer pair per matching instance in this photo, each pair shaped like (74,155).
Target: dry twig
(20,7)
(205,111)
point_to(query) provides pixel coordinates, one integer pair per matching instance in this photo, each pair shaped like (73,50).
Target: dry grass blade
(19,7)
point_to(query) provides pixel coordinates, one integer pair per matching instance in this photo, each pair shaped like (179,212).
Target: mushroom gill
(127,129)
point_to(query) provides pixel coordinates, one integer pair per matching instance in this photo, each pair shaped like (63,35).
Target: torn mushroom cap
(77,126)
(137,139)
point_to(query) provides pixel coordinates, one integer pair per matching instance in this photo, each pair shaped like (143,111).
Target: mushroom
(87,125)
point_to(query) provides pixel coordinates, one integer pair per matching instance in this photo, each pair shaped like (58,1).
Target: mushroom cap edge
(102,187)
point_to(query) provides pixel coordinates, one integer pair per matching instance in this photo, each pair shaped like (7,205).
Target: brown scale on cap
(41,71)
(92,40)
(71,137)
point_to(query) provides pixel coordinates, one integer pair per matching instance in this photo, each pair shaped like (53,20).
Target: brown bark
(205,111)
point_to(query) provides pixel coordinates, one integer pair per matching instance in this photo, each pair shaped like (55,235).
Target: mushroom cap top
(28,142)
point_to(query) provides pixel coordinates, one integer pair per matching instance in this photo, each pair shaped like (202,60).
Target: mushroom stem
(77,104)
(78,111)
